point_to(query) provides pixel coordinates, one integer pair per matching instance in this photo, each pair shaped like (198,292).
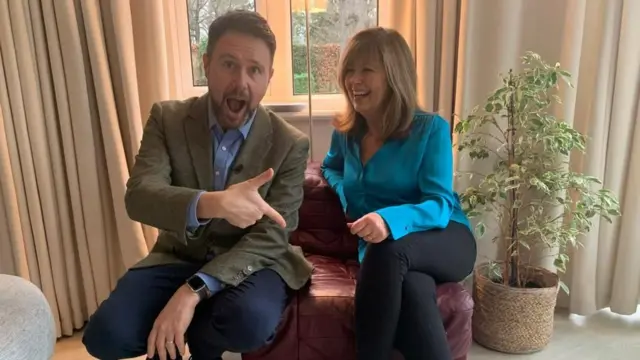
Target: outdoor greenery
(537,200)
(324,67)
(329,29)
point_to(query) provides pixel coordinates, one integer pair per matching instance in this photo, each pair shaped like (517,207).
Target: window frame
(280,91)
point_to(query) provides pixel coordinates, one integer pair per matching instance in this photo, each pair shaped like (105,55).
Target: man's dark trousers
(238,319)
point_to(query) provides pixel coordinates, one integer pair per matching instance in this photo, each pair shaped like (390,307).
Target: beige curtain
(599,42)
(70,125)
(430,28)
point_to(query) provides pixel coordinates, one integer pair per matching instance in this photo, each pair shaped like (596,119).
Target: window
(331,23)
(200,14)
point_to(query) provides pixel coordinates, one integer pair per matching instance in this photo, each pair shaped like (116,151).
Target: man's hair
(390,49)
(243,22)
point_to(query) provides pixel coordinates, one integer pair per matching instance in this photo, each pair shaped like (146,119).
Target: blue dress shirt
(408,182)
(225,149)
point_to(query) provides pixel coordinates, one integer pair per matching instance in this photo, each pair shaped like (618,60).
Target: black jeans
(396,293)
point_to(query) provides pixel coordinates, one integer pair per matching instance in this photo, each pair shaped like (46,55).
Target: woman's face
(366,85)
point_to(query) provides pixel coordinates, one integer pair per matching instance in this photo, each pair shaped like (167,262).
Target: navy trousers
(238,319)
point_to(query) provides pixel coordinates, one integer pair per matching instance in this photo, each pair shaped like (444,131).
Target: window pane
(201,13)
(332,23)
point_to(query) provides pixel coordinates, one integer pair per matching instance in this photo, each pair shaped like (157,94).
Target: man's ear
(205,64)
(271,74)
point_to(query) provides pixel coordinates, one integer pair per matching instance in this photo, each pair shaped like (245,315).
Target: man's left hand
(371,228)
(167,335)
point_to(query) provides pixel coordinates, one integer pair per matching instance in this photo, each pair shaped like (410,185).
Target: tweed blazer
(175,162)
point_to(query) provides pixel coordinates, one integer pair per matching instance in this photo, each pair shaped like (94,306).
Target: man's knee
(107,338)
(256,326)
(246,325)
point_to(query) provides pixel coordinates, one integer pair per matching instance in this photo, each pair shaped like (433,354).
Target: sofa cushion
(321,207)
(326,308)
(322,226)
(324,242)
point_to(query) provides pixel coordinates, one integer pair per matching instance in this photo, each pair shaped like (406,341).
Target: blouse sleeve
(435,178)
(333,166)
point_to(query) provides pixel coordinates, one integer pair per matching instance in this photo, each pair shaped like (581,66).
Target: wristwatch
(198,286)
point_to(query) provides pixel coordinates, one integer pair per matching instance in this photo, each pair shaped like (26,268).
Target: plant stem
(500,141)
(513,254)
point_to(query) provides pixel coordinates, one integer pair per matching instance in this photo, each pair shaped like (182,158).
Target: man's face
(238,72)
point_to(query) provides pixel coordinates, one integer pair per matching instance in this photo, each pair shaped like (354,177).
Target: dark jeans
(238,319)
(396,293)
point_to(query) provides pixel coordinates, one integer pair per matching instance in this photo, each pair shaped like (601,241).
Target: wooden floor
(604,336)
(71,348)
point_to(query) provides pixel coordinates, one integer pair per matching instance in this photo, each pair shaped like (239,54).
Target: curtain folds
(70,129)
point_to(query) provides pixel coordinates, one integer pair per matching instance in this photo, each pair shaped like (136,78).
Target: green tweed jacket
(175,161)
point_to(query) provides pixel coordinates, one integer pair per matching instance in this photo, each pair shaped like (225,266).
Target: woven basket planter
(514,320)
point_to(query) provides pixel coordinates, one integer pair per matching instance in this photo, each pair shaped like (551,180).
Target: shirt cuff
(212,283)
(193,223)
(396,222)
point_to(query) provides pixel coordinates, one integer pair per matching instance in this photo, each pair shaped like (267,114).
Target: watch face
(196,283)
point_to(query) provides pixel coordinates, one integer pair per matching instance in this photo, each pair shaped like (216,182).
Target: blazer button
(248,270)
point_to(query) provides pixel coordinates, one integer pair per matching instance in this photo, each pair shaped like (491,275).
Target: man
(221,177)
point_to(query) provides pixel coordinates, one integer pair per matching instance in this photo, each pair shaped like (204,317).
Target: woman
(392,167)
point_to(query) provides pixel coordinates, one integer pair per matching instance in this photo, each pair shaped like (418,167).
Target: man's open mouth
(235,105)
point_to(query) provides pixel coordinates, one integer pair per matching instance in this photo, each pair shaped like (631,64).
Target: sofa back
(322,228)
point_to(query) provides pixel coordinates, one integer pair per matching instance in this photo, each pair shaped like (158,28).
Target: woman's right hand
(371,228)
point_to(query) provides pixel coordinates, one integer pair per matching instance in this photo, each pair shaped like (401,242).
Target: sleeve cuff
(396,222)
(193,223)
(212,283)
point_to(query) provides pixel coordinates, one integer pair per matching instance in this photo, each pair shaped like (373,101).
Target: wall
(322,128)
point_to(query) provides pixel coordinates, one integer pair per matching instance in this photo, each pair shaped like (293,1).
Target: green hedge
(324,66)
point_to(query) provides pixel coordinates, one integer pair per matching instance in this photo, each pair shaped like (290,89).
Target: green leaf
(614,212)
(488,107)
(480,229)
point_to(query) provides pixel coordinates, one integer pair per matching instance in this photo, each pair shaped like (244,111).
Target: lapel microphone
(236,169)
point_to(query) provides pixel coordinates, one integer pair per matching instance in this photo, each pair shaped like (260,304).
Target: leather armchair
(318,323)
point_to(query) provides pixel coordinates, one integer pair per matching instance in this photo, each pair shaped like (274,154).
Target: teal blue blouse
(408,182)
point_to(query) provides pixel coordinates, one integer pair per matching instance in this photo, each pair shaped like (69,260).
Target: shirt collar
(244,129)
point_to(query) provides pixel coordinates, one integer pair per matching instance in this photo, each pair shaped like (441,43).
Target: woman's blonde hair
(392,51)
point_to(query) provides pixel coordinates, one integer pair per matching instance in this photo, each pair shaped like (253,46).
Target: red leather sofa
(318,323)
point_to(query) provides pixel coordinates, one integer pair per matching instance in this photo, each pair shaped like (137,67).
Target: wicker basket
(514,320)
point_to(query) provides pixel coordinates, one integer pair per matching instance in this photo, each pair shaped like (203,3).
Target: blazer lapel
(249,161)
(199,141)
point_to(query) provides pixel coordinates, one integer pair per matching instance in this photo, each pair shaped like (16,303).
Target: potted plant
(535,199)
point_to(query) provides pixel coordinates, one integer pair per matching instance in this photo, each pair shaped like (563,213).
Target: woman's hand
(371,228)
